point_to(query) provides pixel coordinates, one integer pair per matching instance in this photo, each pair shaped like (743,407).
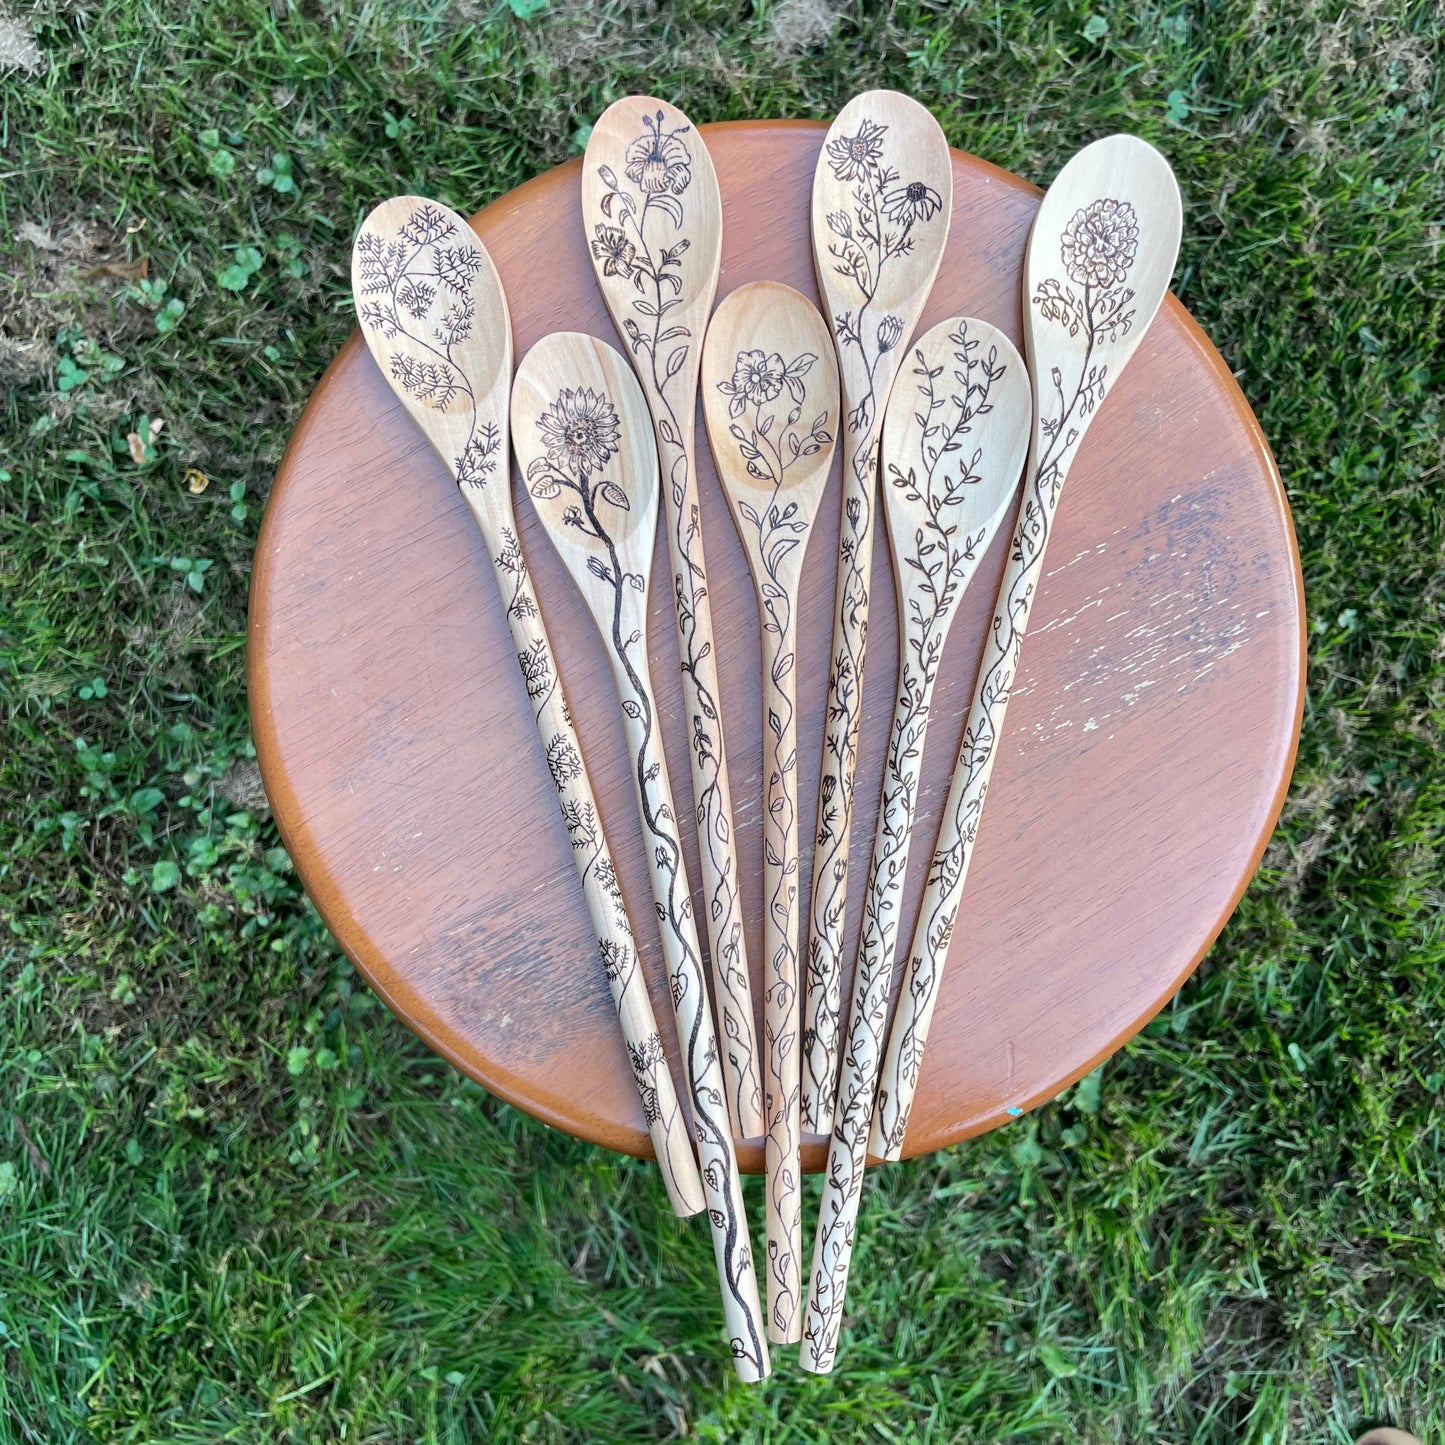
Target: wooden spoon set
(605,446)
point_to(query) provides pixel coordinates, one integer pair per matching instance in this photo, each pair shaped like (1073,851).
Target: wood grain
(1161,690)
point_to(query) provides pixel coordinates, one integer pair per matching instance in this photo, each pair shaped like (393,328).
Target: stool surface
(1144,761)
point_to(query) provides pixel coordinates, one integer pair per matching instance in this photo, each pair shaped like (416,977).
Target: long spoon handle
(954,850)
(781,999)
(712,800)
(598,873)
(672,895)
(828,906)
(858,1075)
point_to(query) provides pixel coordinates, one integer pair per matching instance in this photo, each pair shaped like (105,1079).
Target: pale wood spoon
(653,220)
(954,436)
(581,431)
(882,198)
(770,398)
(1099,259)
(435,318)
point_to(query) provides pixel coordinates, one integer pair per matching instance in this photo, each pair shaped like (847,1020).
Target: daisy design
(617,254)
(910,203)
(580,431)
(852,155)
(658,162)
(1099,243)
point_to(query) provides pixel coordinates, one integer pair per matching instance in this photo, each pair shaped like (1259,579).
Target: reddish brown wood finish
(1148,747)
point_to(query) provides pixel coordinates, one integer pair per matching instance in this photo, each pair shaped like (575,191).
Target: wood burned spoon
(954,437)
(583,439)
(435,318)
(1099,260)
(882,196)
(653,219)
(770,398)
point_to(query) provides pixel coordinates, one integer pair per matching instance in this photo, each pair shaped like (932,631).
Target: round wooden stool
(1146,755)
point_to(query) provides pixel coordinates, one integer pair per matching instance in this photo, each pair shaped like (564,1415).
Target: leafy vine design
(580,433)
(769,447)
(1097,248)
(637,241)
(419,285)
(936,567)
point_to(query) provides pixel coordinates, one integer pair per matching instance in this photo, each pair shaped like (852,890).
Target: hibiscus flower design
(658,161)
(580,431)
(913,202)
(757,377)
(617,254)
(853,155)
(1099,243)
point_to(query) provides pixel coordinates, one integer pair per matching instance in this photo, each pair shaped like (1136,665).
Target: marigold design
(1100,242)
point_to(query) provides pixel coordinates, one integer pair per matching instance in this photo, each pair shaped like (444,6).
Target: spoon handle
(858,1074)
(717,847)
(616,943)
(828,906)
(673,897)
(782,1001)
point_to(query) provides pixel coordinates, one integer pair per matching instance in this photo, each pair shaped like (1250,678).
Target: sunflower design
(1099,243)
(580,431)
(658,162)
(617,254)
(853,155)
(913,202)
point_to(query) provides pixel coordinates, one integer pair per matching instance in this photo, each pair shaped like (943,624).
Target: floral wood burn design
(1097,248)
(434,316)
(418,285)
(939,478)
(659,286)
(579,435)
(766,402)
(886,216)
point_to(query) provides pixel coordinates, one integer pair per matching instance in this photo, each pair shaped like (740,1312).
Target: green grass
(239,1202)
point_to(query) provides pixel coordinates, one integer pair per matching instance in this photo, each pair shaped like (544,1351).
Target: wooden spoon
(954,436)
(653,218)
(770,397)
(882,197)
(1099,260)
(582,435)
(434,315)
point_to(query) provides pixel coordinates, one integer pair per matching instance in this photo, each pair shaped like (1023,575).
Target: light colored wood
(581,431)
(954,436)
(1148,744)
(653,220)
(882,200)
(435,318)
(1098,264)
(770,399)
